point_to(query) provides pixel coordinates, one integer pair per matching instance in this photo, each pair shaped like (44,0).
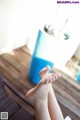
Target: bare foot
(45,71)
(40,92)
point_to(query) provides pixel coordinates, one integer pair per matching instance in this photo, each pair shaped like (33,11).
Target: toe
(50,79)
(55,76)
(44,71)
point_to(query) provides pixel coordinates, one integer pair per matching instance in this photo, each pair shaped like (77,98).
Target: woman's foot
(45,71)
(40,92)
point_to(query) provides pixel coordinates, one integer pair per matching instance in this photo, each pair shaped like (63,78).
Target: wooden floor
(14,66)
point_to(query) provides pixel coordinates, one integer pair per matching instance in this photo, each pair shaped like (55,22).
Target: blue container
(78,77)
(41,57)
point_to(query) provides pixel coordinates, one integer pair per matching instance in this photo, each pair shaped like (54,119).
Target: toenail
(54,76)
(58,75)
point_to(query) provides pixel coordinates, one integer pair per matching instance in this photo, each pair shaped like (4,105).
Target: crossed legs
(43,98)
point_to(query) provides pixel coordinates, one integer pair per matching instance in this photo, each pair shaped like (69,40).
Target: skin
(43,98)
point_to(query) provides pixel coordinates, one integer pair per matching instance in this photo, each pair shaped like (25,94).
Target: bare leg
(41,110)
(54,109)
(38,96)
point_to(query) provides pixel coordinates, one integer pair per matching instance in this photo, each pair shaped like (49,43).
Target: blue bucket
(38,62)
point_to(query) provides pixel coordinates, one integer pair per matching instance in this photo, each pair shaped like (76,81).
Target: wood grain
(14,67)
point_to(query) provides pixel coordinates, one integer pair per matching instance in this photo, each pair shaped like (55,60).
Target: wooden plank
(67,112)
(69,87)
(15,69)
(12,75)
(66,95)
(67,78)
(68,104)
(26,49)
(25,56)
(19,72)
(22,103)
